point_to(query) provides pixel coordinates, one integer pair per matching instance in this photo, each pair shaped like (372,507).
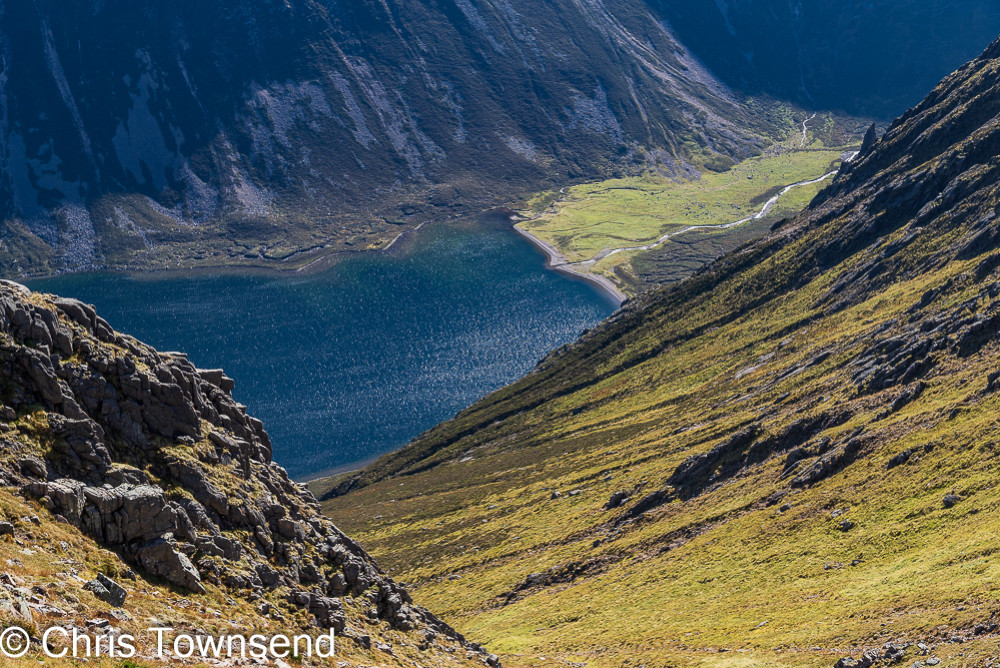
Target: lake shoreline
(321,262)
(335,471)
(363,357)
(309,261)
(556,261)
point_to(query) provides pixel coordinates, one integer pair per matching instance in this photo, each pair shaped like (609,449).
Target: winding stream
(766,209)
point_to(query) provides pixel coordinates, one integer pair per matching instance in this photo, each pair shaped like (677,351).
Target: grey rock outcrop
(867,660)
(617,499)
(153,458)
(107,590)
(161,558)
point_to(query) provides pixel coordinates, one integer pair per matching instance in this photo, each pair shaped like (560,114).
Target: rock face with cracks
(152,458)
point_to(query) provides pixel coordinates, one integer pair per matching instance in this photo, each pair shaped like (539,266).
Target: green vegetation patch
(641,209)
(587,221)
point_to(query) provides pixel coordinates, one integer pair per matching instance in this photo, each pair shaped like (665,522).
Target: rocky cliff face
(138,134)
(143,132)
(151,458)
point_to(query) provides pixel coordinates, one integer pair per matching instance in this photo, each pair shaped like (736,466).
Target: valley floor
(633,234)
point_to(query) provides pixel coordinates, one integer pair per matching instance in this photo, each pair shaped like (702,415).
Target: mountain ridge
(139,136)
(837,57)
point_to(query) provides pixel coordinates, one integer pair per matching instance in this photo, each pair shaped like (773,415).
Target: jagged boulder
(107,590)
(218,378)
(126,513)
(64,496)
(329,612)
(617,499)
(220,546)
(161,558)
(867,660)
(81,313)
(114,516)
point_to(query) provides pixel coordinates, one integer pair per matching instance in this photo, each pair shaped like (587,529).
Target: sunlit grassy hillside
(788,459)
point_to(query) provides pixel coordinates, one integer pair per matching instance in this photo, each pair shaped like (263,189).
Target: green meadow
(585,221)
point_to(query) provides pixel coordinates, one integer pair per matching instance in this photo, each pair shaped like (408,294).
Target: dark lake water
(356,360)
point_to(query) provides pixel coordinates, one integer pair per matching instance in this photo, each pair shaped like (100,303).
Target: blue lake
(354,361)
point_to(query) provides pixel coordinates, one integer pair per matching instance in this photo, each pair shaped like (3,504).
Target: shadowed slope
(151,134)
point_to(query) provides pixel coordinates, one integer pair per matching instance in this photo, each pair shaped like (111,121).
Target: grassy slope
(769,336)
(701,574)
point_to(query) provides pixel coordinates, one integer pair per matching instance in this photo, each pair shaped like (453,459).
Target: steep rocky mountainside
(149,134)
(110,445)
(788,459)
(866,57)
(155,134)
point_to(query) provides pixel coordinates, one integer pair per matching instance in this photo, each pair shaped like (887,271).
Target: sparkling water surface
(354,361)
